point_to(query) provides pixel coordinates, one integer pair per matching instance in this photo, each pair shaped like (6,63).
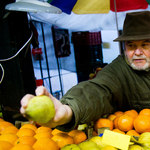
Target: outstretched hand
(63,112)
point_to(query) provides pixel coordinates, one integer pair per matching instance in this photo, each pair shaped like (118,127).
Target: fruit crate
(88,58)
(86,38)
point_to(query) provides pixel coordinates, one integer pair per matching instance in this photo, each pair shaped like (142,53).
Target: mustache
(139,57)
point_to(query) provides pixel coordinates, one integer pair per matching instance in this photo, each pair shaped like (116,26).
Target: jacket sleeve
(92,99)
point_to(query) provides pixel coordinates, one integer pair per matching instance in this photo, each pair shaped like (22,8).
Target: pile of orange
(129,122)
(31,137)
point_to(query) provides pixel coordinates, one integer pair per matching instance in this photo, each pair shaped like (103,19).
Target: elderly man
(122,85)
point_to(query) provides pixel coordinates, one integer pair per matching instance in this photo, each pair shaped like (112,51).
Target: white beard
(145,67)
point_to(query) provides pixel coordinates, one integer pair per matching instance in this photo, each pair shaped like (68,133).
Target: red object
(125,5)
(36,51)
(39,82)
(86,38)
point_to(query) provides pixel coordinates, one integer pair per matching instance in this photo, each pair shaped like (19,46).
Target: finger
(22,110)
(24,101)
(41,90)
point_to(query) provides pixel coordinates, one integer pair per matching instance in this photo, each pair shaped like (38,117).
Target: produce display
(129,129)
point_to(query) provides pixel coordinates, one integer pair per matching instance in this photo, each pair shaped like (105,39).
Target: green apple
(40,109)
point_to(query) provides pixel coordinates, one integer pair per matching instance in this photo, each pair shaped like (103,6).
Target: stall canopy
(91,15)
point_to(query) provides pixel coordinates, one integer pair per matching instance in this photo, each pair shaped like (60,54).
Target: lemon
(70,147)
(144,137)
(108,147)
(135,147)
(98,141)
(88,145)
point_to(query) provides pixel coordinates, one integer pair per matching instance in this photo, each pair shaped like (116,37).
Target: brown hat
(136,26)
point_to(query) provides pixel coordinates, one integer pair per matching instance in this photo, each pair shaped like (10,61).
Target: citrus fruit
(62,139)
(40,109)
(10,129)
(43,129)
(88,145)
(55,131)
(78,136)
(4,145)
(103,122)
(145,111)
(118,131)
(111,117)
(119,113)
(9,137)
(4,124)
(98,141)
(109,147)
(28,140)
(142,123)
(132,113)
(31,126)
(43,134)
(133,133)
(70,147)
(144,137)
(95,133)
(1,119)
(22,147)
(125,122)
(25,132)
(45,143)
(115,122)
(135,147)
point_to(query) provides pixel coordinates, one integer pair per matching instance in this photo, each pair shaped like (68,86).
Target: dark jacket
(116,87)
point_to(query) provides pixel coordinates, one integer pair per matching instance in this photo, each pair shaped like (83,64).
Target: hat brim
(132,38)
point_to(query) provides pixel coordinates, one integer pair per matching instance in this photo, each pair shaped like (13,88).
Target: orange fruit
(119,113)
(43,134)
(4,124)
(31,126)
(62,139)
(145,111)
(10,129)
(133,133)
(118,131)
(22,147)
(55,131)
(1,119)
(9,137)
(125,122)
(115,122)
(103,122)
(95,133)
(142,123)
(45,143)
(25,132)
(132,112)
(4,145)
(43,129)
(78,136)
(29,140)
(111,117)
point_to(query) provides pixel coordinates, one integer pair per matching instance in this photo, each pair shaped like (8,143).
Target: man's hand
(63,112)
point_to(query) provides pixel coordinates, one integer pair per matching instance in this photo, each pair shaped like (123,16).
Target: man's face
(138,54)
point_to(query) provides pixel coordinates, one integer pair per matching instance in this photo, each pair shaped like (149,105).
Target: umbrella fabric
(65,5)
(91,7)
(148,1)
(125,5)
